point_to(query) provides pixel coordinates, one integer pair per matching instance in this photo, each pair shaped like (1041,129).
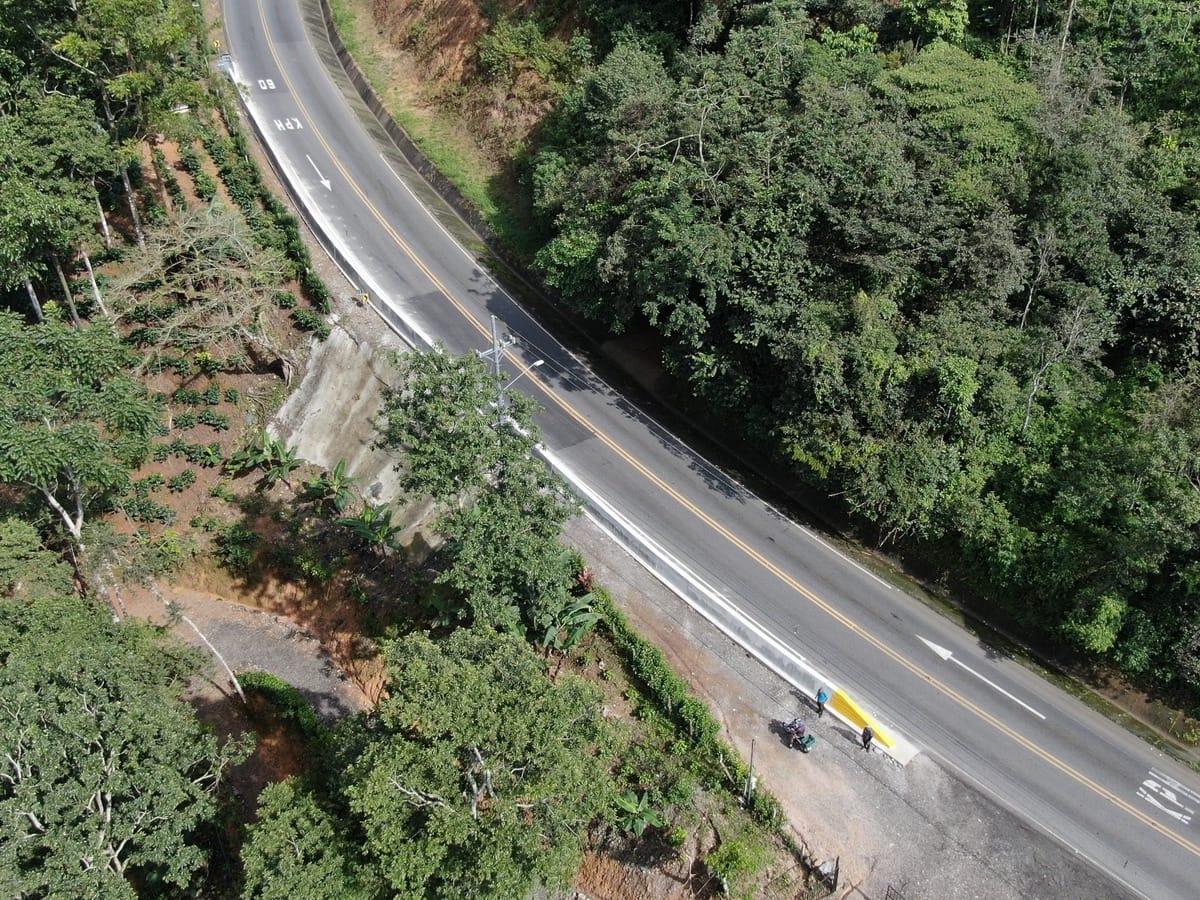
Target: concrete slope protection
(780,590)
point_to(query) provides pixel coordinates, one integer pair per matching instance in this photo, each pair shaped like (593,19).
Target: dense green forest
(940,256)
(155,300)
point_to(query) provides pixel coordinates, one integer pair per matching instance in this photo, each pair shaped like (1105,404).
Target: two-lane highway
(790,597)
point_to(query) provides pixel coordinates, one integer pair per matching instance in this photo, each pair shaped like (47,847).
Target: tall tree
(465,439)
(106,773)
(73,424)
(138,59)
(299,849)
(443,414)
(477,778)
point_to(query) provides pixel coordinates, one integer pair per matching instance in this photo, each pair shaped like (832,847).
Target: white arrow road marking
(949,656)
(1151,791)
(1159,790)
(320,177)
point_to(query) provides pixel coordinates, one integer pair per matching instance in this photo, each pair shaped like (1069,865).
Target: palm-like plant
(273,456)
(334,490)
(374,527)
(569,624)
(635,814)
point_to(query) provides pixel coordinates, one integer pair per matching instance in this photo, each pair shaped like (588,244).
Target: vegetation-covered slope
(939,256)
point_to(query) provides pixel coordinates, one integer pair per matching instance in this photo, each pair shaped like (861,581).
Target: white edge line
(474,260)
(333,234)
(902,752)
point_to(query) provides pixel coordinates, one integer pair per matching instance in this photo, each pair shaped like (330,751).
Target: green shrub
(182,481)
(207,363)
(190,159)
(167,177)
(237,546)
(718,764)
(210,456)
(156,214)
(144,486)
(206,186)
(736,860)
(160,555)
(222,491)
(187,396)
(285,299)
(143,509)
(214,420)
(232,395)
(202,454)
(290,706)
(309,321)
(185,420)
(766,810)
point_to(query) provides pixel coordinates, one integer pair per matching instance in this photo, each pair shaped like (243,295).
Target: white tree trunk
(66,287)
(104,229)
(74,524)
(130,196)
(133,210)
(33,300)
(87,261)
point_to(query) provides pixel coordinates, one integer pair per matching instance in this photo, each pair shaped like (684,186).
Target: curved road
(796,602)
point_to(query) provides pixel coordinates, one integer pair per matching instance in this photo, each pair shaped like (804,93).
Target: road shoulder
(920,829)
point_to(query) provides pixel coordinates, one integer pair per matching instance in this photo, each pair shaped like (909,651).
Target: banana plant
(334,490)
(635,814)
(374,527)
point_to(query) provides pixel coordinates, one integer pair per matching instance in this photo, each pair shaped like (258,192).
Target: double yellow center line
(704,517)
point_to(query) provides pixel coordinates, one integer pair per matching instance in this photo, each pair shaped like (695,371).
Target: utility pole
(495,355)
(497,348)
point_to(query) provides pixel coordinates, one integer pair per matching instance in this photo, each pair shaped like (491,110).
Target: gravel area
(919,830)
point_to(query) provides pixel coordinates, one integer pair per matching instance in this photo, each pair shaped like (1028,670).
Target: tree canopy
(477,777)
(73,423)
(955,286)
(470,445)
(106,774)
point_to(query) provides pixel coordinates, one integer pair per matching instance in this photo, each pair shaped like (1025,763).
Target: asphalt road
(808,611)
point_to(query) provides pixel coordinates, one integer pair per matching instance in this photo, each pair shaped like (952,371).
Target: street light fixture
(524,372)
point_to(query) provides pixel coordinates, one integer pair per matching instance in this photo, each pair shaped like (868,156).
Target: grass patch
(438,132)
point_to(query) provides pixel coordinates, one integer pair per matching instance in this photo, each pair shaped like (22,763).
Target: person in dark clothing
(822,699)
(867,736)
(795,730)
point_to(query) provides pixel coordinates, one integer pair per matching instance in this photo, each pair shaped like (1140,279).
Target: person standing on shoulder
(822,699)
(867,736)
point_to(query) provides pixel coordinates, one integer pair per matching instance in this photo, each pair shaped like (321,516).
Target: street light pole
(495,355)
(497,348)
